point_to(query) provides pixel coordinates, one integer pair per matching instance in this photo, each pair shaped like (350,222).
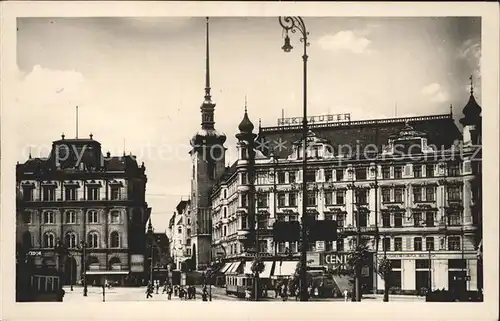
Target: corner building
(417,196)
(76,195)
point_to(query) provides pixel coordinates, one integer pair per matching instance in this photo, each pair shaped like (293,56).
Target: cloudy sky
(139,81)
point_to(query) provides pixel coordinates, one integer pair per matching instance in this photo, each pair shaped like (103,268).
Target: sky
(139,82)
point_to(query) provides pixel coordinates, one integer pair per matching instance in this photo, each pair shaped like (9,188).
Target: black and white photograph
(218,157)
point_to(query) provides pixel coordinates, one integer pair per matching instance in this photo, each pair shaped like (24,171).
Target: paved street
(121,294)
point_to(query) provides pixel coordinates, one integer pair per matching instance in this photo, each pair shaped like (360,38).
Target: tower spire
(208,97)
(245,104)
(471,85)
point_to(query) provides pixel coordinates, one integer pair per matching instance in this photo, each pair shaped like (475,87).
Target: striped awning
(106,272)
(226,267)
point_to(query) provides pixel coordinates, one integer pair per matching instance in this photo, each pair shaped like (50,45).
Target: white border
(487,310)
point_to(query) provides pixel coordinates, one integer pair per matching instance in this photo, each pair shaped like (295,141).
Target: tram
(40,285)
(238,283)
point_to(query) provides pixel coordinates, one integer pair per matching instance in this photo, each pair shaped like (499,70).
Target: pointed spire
(150,226)
(30,153)
(451,110)
(208,97)
(245,104)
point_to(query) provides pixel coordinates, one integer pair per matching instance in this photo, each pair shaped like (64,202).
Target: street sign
(320,246)
(34,253)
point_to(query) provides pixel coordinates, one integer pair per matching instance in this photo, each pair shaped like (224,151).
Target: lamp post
(293,24)
(83,247)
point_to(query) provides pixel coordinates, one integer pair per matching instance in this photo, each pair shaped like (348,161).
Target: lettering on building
(322,119)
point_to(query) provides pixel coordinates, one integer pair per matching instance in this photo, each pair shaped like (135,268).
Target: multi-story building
(180,234)
(83,201)
(410,184)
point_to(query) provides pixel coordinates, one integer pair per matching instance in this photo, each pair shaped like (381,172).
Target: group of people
(184,293)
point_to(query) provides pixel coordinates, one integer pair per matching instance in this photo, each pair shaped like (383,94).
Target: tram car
(40,285)
(237,284)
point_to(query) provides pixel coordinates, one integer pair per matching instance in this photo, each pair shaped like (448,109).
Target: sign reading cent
(323,119)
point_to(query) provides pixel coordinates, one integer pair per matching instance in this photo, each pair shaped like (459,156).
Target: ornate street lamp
(295,24)
(83,248)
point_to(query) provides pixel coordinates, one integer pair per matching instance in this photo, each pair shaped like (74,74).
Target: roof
(441,130)
(181,207)
(230,170)
(171,221)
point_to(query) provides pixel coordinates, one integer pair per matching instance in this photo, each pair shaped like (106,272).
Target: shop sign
(137,263)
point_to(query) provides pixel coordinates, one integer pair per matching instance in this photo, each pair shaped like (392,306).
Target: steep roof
(181,207)
(441,130)
(171,221)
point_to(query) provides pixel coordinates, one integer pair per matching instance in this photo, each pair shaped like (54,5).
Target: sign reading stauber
(323,119)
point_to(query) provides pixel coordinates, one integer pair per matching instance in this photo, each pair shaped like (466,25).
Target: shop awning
(268,269)
(284,268)
(226,267)
(342,282)
(108,272)
(234,266)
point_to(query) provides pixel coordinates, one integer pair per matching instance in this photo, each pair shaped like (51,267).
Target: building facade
(180,234)
(80,201)
(410,184)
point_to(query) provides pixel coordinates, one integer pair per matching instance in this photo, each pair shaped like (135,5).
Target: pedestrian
(149,291)
(169,292)
(346,295)
(164,288)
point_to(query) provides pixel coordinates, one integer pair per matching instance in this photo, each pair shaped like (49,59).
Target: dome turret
(472,110)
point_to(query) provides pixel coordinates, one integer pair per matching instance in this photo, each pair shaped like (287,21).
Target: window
(263,247)
(429,243)
(48,217)
(310,176)
(224,210)
(311,247)
(49,240)
(292,199)
(115,193)
(417,194)
(422,264)
(386,245)
(281,247)
(114,217)
(339,174)
(328,197)
(454,169)
(93,240)
(398,194)
(417,171)
(396,264)
(386,194)
(398,171)
(27,217)
(70,240)
(93,193)
(224,231)
(225,193)
(281,199)
(417,244)
(361,196)
(454,193)
(294,247)
(386,219)
(429,170)
(340,220)
(27,193)
(188,242)
(328,175)
(311,198)
(457,264)
(398,244)
(244,222)
(70,217)
(340,244)
(398,219)
(429,194)
(360,173)
(417,219)
(262,200)
(363,218)
(211,169)
(92,217)
(293,218)
(386,172)
(454,243)
(70,193)
(244,179)
(48,193)
(244,199)
(429,219)
(114,239)
(188,232)
(292,177)
(281,177)
(454,219)
(340,197)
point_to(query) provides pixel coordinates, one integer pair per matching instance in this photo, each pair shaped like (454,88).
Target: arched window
(179,230)
(70,240)
(225,231)
(115,263)
(115,239)
(92,217)
(27,240)
(93,240)
(92,260)
(49,240)
(225,212)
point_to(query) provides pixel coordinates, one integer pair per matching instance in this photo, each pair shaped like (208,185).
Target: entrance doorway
(457,283)
(422,281)
(70,276)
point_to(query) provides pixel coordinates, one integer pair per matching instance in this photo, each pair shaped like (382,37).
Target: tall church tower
(208,159)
